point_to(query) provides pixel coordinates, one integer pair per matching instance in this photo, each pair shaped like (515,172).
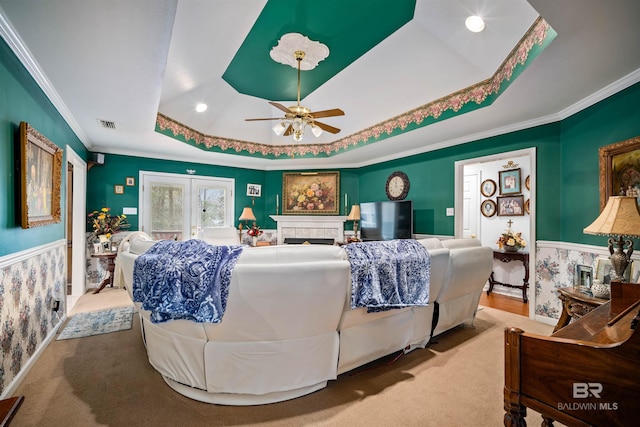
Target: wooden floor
(505,303)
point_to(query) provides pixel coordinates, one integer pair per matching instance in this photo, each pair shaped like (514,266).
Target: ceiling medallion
(314,51)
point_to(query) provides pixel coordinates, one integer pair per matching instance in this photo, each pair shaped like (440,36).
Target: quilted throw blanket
(184,280)
(389,274)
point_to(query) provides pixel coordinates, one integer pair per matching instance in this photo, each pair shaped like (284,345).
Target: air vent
(107,124)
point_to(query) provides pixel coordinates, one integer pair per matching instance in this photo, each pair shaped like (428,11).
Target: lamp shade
(620,217)
(354,215)
(247,215)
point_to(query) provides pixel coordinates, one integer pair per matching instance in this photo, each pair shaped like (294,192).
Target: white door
(179,206)
(471,206)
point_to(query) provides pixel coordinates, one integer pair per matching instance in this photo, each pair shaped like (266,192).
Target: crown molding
(18,47)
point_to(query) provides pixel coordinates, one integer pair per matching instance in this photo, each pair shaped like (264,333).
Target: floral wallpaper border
(29,283)
(538,34)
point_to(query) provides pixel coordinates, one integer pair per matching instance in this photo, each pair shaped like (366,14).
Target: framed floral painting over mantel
(311,193)
(619,169)
(40,178)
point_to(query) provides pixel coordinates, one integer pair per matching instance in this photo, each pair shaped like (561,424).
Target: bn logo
(584,390)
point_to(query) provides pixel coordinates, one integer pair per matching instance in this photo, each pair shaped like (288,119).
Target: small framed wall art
(488,187)
(130,182)
(118,189)
(511,206)
(488,208)
(510,182)
(254,190)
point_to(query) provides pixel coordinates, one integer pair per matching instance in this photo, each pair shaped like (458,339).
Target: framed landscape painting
(40,178)
(311,193)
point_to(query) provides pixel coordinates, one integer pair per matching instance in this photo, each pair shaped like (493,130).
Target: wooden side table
(508,257)
(111,266)
(575,304)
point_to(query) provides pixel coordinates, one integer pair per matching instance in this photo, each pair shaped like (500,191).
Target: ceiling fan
(298,117)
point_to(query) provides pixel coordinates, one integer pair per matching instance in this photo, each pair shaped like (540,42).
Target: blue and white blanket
(389,274)
(184,280)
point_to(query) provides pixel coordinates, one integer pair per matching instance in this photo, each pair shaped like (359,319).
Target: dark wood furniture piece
(508,257)
(111,266)
(575,304)
(587,373)
(8,408)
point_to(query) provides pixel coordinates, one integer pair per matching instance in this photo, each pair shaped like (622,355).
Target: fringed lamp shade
(620,218)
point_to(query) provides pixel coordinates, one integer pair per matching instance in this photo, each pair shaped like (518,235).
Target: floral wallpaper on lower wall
(28,288)
(556,268)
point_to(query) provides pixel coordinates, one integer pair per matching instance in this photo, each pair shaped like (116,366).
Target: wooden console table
(508,257)
(575,304)
(111,266)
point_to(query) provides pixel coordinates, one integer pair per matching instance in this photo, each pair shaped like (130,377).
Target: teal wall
(432,179)
(21,99)
(116,168)
(614,119)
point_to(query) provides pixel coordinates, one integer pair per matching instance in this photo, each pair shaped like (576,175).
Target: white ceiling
(125,61)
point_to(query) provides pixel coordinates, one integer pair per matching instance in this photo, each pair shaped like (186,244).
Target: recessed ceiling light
(201,107)
(474,23)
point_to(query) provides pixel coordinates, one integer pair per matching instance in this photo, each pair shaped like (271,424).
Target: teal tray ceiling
(348,28)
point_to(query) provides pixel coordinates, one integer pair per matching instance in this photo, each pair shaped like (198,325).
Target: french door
(174,206)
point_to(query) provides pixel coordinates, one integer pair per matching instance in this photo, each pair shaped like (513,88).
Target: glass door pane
(166,213)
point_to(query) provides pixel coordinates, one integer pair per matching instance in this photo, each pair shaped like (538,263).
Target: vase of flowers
(510,241)
(254,232)
(104,225)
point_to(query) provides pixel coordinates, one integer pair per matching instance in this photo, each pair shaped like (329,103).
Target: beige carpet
(106,380)
(107,298)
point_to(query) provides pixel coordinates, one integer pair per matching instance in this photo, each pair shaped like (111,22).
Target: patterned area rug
(98,322)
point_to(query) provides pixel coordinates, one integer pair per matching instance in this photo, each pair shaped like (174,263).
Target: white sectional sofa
(288,327)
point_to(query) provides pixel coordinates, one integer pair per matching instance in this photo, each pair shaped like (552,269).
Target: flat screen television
(386,220)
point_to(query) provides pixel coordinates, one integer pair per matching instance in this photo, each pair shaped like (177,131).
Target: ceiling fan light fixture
(316,130)
(279,128)
(298,135)
(474,24)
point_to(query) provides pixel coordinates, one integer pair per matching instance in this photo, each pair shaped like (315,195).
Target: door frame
(79,227)
(144,175)
(458,201)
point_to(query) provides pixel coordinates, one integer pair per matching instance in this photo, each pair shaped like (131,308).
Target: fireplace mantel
(310,226)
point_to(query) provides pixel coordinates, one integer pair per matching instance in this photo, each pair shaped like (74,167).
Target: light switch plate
(130,211)
(450,211)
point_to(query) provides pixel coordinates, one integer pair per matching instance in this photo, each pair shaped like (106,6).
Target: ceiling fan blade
(271,118)
(289,131)
(280,107)
(328,113)
(326,127)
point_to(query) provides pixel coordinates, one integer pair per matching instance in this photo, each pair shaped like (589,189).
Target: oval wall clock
(397,186)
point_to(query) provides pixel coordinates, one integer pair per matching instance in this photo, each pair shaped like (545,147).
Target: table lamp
(619,218)
(354,216)
(246,216)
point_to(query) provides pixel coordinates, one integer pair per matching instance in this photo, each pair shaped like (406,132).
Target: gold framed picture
(311,193)
(40,178)
(619,169)
(130,181)
(118,189)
